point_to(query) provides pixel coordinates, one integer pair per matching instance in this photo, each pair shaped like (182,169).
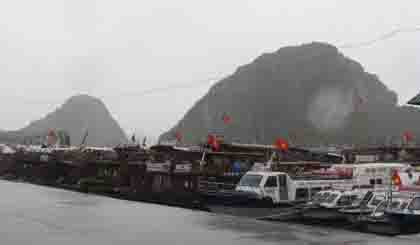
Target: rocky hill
(76,116)
(309,94)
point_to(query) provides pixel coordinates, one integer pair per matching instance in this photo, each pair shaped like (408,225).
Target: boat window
(317,197)
(395,204)
(356,199)
(282,180)
(271,182)
(368,196)
(415,204)
(381,208)
(376,200)
(325,196)
(320,197)
(252,180)
(379,181)
(346,200)
(404,205)
(331,198)
(314,191)
(302,194)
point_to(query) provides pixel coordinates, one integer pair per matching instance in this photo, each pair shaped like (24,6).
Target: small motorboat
(365,207)
(329,208)
(382,220)
(406,218)
(295,213)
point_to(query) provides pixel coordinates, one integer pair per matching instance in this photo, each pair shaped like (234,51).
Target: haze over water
(38,215)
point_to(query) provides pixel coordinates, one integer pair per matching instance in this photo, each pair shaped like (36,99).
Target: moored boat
(365,207)
(329,208)
(406,218)
(381,220)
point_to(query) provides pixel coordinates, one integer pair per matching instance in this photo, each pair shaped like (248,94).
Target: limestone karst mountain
(77,115)
(309,94)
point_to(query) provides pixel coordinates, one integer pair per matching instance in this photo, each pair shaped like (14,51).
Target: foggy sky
(53,49)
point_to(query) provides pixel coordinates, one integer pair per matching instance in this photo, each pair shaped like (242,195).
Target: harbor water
(31,214)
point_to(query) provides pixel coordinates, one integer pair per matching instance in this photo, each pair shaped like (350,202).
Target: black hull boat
(320,213)
(290,214)
(260,213)
(407,223)
(401,216)
(239,203)
(235,199)
(382,226)
(355,215)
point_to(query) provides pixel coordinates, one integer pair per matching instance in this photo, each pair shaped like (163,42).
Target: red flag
(396,179)
(51,137)
(408,136)
(226,119)
(178,136)
(282,144)
(212,141)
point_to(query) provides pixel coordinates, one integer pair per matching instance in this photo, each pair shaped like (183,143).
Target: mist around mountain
(310,94)
(79,115)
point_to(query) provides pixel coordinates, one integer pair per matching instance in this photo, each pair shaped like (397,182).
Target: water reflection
(38,215)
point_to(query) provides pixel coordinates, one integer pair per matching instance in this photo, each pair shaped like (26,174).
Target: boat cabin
(292,187)
(281,187)
(383,154)
(342,198)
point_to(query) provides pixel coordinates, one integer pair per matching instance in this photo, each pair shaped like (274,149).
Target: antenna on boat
(84,138)
(391,176)
(202,161)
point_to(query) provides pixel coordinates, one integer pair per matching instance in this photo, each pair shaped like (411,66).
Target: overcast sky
(115,50)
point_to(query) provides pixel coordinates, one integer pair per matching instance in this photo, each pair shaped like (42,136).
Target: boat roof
(91,148)
(71,148)
(375,165)
(264,173)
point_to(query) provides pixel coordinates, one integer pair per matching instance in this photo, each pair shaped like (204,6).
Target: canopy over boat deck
(409,154)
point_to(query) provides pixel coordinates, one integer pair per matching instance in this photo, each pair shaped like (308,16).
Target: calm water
(32,214)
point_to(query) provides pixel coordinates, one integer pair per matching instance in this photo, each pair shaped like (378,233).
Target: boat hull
(236,199)
(407,222)
(323,214)
(285,215)
(355,216)
(380,226)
